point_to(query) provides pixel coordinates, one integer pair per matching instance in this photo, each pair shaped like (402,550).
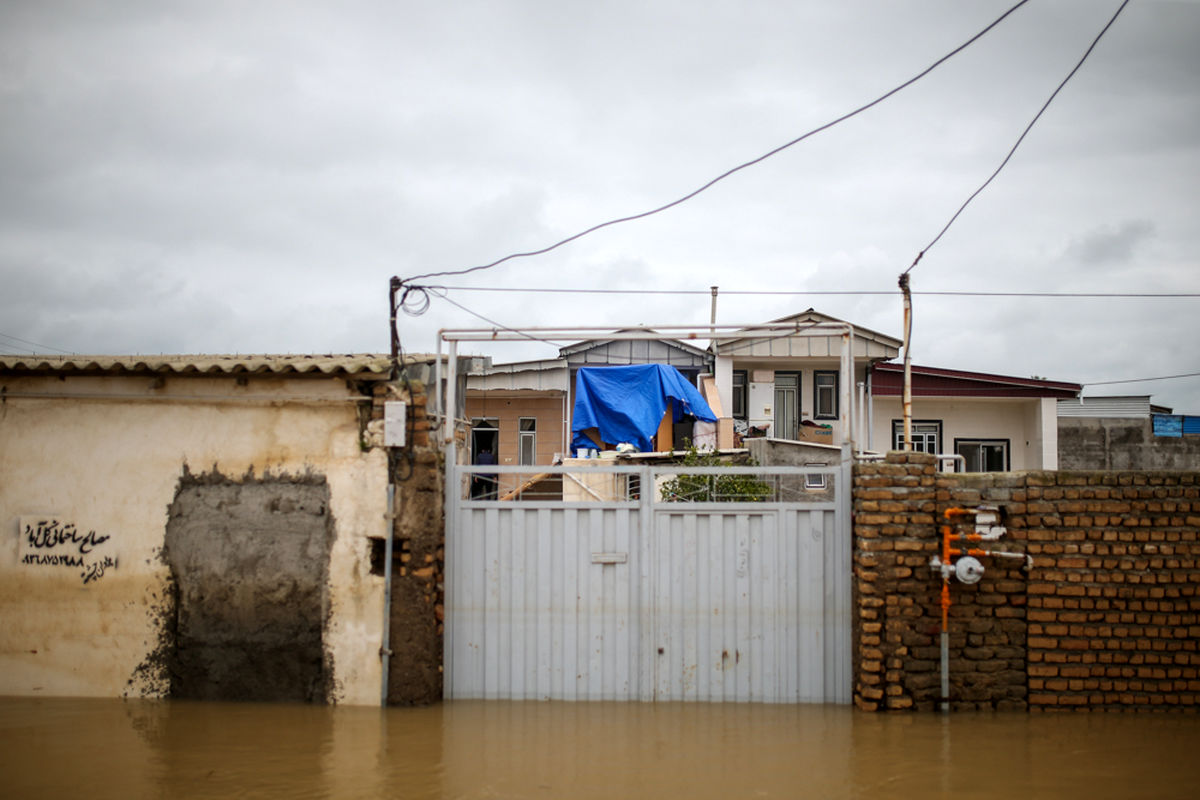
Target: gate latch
(609,558)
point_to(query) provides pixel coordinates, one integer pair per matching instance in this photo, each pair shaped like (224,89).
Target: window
(926,435)
(739,393)
(825,394)
(787,404)
(527,441)
(815,481)
(983,455)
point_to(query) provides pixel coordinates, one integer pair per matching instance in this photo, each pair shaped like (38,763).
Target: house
(995,423)
(521,412)
(784,381)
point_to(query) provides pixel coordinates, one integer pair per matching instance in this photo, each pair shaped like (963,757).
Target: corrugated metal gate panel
(531,616)
(720,602)
(739,606)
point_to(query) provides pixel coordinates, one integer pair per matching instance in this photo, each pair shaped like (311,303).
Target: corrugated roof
(360,365)
(1128,407)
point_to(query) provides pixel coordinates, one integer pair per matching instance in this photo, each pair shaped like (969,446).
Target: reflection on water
(130,749)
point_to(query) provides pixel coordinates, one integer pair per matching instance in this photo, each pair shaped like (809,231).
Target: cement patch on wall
(249,561)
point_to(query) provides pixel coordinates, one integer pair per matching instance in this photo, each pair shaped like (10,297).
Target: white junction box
(395,423)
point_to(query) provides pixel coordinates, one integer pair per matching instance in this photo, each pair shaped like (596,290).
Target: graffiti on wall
(49,541)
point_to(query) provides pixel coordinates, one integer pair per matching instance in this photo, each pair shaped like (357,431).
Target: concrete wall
(92,466)
(1107,618)
(1103,443)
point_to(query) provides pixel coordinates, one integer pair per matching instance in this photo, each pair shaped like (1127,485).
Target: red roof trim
(888,380)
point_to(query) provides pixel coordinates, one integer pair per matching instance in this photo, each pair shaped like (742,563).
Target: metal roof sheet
(1130,407)
(361,365)
(887,380)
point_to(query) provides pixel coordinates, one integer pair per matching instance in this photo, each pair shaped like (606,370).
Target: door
(787,405)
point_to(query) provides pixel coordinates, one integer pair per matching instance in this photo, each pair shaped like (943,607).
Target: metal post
(862,403)
(437,391)
(945,671)
(845,383)
(870,410)
(450,503)
(907,397)
(385,648)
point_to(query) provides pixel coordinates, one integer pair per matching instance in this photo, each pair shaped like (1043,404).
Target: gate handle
(609,558)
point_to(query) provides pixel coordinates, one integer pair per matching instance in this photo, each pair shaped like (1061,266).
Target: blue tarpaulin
(1170,425)
(626,404)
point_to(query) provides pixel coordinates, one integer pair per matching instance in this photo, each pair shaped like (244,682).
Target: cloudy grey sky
(228,176)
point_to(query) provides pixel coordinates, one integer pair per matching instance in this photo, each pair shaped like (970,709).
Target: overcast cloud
(245,177)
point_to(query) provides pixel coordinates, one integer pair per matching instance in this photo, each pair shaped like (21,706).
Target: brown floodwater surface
(172,749)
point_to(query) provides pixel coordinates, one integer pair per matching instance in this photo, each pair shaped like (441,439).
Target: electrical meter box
(395,423)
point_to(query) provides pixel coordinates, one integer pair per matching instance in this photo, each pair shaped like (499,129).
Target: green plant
(736,488)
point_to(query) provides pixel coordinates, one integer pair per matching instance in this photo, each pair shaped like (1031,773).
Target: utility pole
(906,399)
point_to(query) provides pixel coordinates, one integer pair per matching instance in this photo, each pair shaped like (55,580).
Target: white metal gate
(624,596)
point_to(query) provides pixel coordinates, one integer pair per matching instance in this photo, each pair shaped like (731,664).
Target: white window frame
(923,428)
(526,436)
(816,481)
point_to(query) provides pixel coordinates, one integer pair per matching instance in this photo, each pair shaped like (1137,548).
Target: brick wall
(1107,617)
(416,620)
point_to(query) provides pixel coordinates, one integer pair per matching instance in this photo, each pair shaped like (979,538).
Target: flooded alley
(180,749)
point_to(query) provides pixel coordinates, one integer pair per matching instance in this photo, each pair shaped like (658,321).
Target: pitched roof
(876,345)
(367,366)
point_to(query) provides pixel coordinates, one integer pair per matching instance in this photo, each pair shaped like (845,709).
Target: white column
(1047,420)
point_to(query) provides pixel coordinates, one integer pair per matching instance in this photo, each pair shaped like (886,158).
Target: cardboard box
(807,433)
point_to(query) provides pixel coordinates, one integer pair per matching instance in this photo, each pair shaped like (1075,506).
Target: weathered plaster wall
(106,454)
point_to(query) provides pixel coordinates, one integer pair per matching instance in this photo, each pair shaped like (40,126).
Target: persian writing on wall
(50,541)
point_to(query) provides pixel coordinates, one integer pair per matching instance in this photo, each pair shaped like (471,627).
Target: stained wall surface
(92,471)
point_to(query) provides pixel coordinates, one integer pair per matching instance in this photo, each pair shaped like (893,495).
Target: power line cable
(1020,138)
(739,167)
(1145,380)
(832,292)
(36,344)
(442,295)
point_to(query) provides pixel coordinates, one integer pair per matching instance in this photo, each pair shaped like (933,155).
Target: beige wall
(1023,421)
(111,463)
(760,403)
(548,411)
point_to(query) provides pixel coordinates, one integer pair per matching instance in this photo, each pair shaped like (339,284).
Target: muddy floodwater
(179,749)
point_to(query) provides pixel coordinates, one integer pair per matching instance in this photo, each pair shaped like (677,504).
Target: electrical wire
(837,292)
(1020,138)
(488,320)
(1145,380)
(739,167)
(36,344)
